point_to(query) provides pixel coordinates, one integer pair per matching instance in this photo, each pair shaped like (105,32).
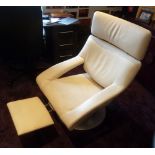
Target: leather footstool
(29,115)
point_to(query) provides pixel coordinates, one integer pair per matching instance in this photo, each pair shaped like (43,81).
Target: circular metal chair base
(92,122)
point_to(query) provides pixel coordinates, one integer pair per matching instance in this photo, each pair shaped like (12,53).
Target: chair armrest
(58,70)
(101,99)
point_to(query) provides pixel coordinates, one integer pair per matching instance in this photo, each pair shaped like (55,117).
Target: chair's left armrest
(99,100)
(58,70)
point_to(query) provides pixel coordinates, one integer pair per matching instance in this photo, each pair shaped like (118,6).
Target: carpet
(129,123)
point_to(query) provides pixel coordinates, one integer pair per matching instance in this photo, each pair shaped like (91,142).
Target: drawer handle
(65,45)
(69,55)
(66,32)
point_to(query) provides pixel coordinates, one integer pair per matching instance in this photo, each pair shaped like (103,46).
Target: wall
(81,10)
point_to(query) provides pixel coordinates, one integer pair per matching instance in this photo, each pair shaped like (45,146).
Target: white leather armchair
(111,59)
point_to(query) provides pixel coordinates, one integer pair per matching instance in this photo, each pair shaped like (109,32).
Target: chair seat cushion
(67,93)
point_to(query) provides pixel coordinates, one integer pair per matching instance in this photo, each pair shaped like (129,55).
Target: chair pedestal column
(96,119)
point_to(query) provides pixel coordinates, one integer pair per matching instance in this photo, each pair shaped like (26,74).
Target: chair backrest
(111,52)
(127,36)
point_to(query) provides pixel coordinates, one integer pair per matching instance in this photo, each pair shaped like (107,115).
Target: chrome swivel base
(93,121)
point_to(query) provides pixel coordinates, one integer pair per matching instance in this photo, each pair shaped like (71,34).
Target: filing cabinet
(61,41)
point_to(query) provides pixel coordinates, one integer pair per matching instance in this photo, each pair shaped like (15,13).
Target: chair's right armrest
(58,70)
(101,99)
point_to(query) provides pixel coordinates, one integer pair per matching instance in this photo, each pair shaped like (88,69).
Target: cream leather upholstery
(111,64)
(29,115)
(125,35)
(110,58)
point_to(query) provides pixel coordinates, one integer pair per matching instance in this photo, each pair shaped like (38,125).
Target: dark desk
(61,41)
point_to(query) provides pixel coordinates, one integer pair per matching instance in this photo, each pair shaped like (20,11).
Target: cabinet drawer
(61,41)
(66,37)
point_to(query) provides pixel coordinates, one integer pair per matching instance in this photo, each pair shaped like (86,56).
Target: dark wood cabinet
(61,41)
